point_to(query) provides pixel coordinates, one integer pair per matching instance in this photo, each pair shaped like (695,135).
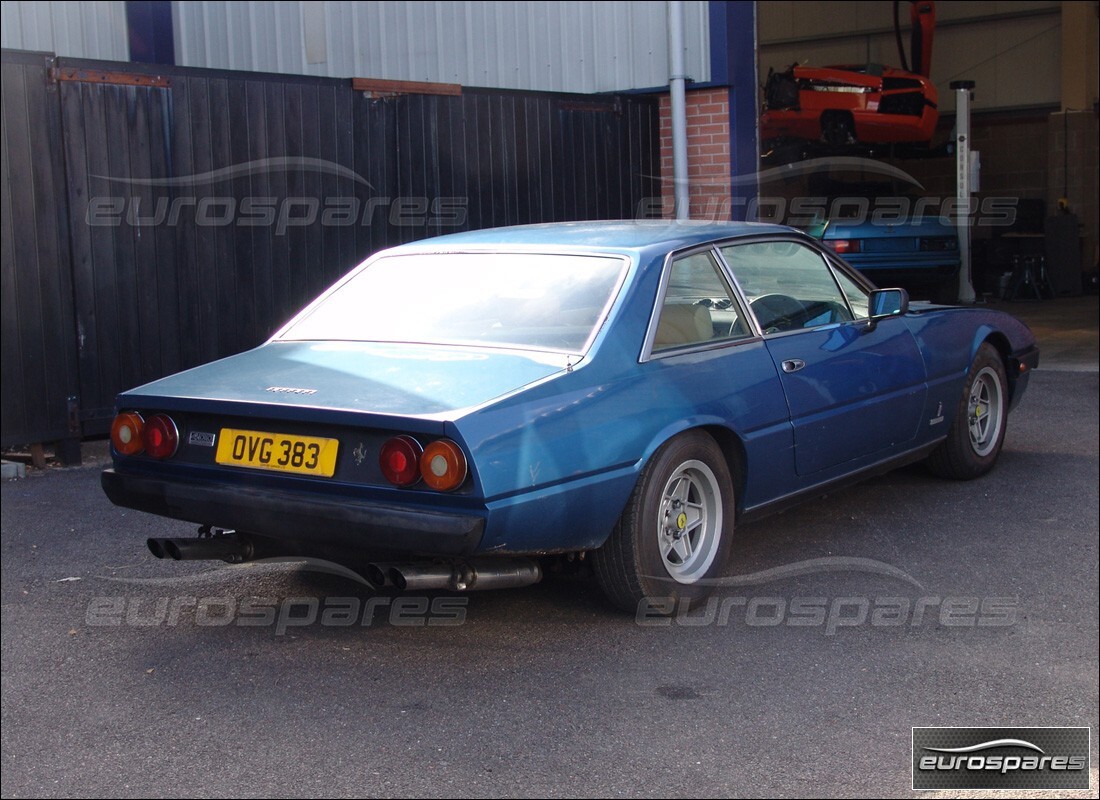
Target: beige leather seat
(682,324)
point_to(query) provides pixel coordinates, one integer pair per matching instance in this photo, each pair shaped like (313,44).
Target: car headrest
(683,324)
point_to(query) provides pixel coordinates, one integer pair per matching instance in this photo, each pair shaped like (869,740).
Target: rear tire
(978,431)
(673,538)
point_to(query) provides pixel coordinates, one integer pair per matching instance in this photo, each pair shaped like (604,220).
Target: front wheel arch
(1000,342)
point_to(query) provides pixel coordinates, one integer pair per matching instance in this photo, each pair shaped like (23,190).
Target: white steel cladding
(549,46)
(74,29)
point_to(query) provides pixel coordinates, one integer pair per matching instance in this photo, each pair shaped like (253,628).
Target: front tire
(978,431)
(673,537)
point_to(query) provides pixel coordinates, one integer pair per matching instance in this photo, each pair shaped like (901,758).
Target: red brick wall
(708,154)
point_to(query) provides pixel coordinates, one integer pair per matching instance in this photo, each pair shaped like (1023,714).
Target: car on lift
(455,411)
(851,104)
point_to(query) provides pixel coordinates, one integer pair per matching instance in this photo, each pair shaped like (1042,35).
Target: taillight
(844,245)
(400,460)
(443,466)
(126,433)
(161,437)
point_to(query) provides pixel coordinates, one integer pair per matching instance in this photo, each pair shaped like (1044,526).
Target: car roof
(611,236)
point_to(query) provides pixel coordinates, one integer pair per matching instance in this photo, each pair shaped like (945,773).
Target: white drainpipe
(676,82)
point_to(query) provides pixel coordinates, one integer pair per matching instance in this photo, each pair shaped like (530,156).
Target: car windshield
(524,300)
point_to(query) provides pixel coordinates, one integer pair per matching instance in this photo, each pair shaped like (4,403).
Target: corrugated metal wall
(39,372)
(551,46)
(582,46)
(155,218)
(77,29)
(586,46)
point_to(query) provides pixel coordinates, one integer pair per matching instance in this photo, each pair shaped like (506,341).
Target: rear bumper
(904,264)
(871,127)
(357,527)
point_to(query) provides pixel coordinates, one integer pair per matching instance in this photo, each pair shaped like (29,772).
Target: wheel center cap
(682,521)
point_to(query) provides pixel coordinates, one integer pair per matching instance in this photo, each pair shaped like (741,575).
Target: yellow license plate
(307,455)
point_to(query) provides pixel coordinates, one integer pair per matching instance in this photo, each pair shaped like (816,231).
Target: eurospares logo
(1001,758)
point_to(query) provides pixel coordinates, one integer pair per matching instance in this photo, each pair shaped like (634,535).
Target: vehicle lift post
(963,165)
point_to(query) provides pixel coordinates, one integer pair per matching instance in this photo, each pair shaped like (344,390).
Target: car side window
(856,294)
(699,306)
(789,286)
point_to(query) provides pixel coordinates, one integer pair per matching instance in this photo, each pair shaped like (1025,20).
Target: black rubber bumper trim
(1029,358)
(361,526)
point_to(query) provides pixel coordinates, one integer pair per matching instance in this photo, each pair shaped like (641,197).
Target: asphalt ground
(124,676)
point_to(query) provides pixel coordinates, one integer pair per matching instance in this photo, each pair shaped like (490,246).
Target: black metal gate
(158,218)
(39,383)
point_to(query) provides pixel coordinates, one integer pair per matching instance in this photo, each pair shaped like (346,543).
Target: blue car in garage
(890,233)
(920,254)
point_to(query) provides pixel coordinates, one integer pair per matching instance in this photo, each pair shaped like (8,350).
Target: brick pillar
(708,154)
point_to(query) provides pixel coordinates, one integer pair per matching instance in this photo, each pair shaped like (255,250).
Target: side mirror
(883,303)
(887,303)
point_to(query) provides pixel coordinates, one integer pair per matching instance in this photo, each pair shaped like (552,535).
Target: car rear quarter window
(698,306)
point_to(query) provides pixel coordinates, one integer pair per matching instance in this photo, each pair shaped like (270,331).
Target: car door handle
(793,364)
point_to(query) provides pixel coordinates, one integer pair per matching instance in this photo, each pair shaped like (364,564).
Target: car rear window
(524,300)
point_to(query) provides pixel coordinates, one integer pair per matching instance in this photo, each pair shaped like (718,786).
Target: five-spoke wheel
(673,538)
(978,430)
(689,521)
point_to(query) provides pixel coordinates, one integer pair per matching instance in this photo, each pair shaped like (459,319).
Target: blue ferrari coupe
(455,411)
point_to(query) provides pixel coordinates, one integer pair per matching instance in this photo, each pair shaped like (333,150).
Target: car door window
(789,286)
(698,306)
(856,294)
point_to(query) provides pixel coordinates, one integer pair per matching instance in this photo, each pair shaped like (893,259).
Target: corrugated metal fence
(157,219)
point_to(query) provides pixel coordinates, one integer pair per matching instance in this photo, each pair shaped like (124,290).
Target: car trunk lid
(297,379)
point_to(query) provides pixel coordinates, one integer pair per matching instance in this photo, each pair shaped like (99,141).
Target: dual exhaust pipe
(228,547)
(458,576)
